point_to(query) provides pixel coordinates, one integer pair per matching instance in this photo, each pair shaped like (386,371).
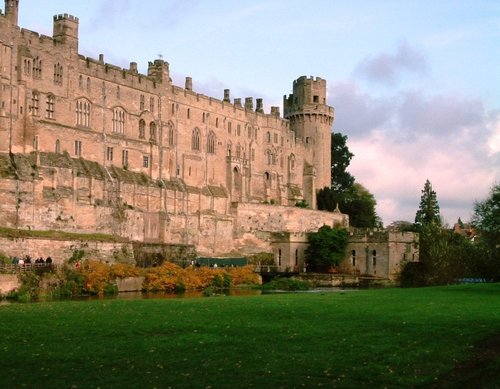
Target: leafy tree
(428,212)
(342,180)
(356,201)
(486,218)
(327,248)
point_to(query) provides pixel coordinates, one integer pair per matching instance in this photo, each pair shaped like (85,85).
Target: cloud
(357,113)
(385,68)
(403,139)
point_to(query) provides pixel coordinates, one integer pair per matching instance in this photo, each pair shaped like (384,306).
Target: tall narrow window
(374,258)
(58,74)
(118,120)
(37,68)
(171,135)
(141,103)
(58,146)
(118,92)
(78,148)
(80,81)
(145,161)
(353,256)
(88,84)
(83,113)
(35,142)
(211,143)
(152,131)
(142,129)
(151,104)
(125,158)
(49,113)
(238,129)
(109,153)
(35,100)
(238,151)
(268,137)
(229,127)
(195,140)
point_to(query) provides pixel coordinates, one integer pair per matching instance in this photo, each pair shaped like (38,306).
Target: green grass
(395,338)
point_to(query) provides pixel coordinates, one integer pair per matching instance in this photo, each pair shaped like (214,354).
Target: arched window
(142,129)
(80,81)
(374,258)
(49,112)
(58,146)
(37,68)
(118,120)
(269,157)
(88,84)
(268,137)
(58,74)
(211,143)
(171,134)
(292,162)
(267,177)
(195,140)
(152,131)
(83,113)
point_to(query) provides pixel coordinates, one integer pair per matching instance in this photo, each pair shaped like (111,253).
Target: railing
(26,267)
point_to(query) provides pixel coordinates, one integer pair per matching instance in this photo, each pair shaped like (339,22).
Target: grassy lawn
(432,337)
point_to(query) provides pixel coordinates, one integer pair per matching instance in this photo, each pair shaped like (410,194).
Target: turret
(159,70)
(12,11)
(312,120)
(65,30)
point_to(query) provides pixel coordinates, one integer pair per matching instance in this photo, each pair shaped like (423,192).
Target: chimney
(249,103)
(189,83)
(227,97)
(260,106)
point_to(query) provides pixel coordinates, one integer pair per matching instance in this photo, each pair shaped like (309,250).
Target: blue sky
(415,84)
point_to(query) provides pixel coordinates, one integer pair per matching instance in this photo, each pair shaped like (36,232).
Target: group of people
(27,260)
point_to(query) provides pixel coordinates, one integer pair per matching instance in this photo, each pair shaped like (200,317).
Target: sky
(415,84)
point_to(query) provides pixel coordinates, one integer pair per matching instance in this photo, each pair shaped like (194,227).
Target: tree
(486,218)
(428,212)
(355,201)
(341,157)
(327,248)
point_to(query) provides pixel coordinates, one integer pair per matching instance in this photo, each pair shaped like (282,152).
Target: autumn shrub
(243,275)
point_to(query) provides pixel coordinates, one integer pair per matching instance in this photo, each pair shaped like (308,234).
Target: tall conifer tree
(428,212)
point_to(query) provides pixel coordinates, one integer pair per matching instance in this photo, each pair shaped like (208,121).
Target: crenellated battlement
(66,17)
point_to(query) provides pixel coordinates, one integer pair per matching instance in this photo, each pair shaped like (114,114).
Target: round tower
(312,119)
(12,11)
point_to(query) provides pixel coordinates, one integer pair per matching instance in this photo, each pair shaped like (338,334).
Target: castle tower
(159,70)
(65,30)
(12,11)
(311,119)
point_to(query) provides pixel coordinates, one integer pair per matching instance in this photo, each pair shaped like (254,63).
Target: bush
(290,284)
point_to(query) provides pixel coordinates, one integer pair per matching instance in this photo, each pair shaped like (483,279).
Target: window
(58,146)
(353,256)
(229,151)
(125,158)
(171,135)
(151,104)
(141,102)
(195,140)
(27,67)
(142,129)
(211,143)
(267,177)
(229,127)
(238,151)
(37,68)
(58,74)
(35,142)
(374,258)
(188,113)
(78,148)
(292,162)
(88,84)
(145,161)
(275,138)
(238,130)
(80,81)
(268,157)
(35,97)
(152,131)
(315,99)
(118,120)
(83,113)
(268,137)
(249,132)
(118,94)
(109,153)
(49,113)
(216,122)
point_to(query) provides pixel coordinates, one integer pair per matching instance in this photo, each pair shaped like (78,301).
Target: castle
(87,146)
